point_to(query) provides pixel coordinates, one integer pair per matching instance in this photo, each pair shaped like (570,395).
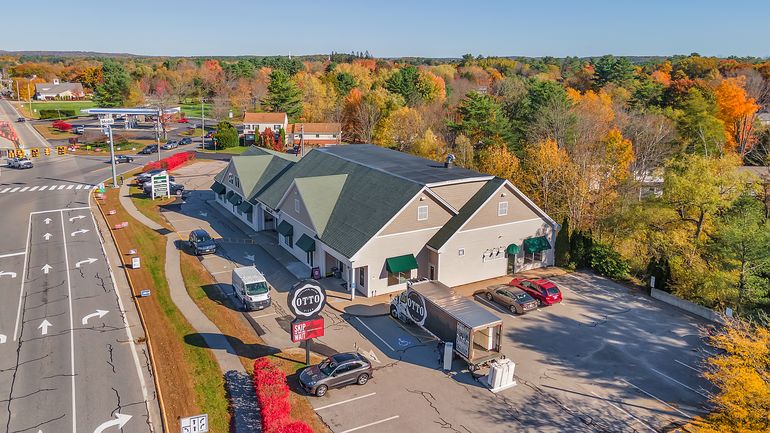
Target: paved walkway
(239,385)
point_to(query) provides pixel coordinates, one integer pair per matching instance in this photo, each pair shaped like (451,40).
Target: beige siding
(287,206)
(518,210)
(478,244)
(407,220)
(459,194)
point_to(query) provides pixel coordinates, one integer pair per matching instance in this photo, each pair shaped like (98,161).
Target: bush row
(171,162)
(273,398)
(61,126)
(56,114)
(577,249)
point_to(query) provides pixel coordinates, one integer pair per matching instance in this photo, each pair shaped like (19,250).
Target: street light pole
(112,157)
(203,126)
(157,132)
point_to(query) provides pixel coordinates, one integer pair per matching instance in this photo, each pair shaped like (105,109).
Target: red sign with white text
(302,330)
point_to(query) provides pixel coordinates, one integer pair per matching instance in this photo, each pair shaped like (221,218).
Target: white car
(20,163)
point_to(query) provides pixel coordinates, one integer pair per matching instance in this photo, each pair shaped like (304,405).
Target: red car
(544,291)
(183,120)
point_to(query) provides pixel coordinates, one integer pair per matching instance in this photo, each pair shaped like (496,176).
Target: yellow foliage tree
(742,376)
(544,179)
(25,87)
(498,161)
(318,97)
(399,130)
(429,146)
(736,109)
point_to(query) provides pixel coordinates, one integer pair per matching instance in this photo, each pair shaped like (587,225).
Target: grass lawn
(52,134)
(189,376)
(194,109)
(237,150)
(52,105)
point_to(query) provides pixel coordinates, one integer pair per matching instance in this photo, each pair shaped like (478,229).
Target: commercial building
(58,91)
(376,217)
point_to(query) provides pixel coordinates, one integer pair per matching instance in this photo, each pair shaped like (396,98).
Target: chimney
(450,161)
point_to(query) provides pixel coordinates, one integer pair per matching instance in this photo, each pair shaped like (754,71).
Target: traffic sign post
(195,424)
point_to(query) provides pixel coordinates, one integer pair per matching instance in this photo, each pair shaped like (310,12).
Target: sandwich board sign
(160,187)
(195,424)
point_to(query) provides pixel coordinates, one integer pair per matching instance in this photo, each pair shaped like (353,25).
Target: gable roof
(55,89)
(320,194)
(264,118)
(314,128)
(464,214)
(255,150)
(255,172)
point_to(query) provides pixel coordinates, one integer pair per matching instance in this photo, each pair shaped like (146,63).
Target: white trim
(498,225)
(411,231)
(420,209)
(441,200)
(500,208)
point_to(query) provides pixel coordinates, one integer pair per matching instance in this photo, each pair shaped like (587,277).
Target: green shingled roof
(450,228)
(320,194)
(255,172)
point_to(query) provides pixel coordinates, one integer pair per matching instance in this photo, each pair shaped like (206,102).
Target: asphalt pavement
(28,136)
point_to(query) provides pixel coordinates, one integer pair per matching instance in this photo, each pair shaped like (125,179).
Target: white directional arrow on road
(47,236)
(48,220)
(79,231)
(10,274)
(89,261)
(3,338)
(371,355)
(119,421)
(249,257)
(77,217)
(99,313)
(46,268)
(44,326)
(204,214)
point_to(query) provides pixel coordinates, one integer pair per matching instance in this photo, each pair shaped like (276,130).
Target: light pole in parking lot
(107,125)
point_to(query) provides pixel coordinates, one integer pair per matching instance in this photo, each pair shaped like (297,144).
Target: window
(288,240)
(362,277)
(461,252)
(230,177)
(310,258)
(398,277)
(502,208)
(296,205)
(276,128)
(422,213)
(533,258)
(237,182)
(318,136)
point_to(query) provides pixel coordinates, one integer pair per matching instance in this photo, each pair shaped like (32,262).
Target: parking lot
(605,359)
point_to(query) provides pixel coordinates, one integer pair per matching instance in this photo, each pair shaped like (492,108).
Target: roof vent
(56,81)
(450,161)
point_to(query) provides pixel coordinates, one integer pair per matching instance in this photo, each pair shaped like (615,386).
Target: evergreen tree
(283,95)
(562,246)
(406,82)
(114,90)
(226,135)
(481,119)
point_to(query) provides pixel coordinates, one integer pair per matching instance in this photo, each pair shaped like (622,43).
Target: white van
(251,288)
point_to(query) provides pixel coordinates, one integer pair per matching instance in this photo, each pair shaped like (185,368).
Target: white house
(58,90)
(255,123)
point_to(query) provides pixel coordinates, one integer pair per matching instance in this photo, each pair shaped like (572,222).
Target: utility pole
(203,126)
(157,132)
(112,158)
(302,138)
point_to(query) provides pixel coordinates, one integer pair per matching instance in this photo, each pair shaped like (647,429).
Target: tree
(267,138)
(561,248)
(481,119)
(611,69)
(344,82)
(700,130)
(652,137)
(736,110)
(407,83)
(226,135)
(547,169)
(283,96)
(464,152)
(429,146)
(400,129)
(498,161)
(115,88)
(741,373)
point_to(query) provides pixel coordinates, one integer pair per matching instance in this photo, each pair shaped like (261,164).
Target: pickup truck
(19,163)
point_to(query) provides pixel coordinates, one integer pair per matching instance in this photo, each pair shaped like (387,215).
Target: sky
(390,28)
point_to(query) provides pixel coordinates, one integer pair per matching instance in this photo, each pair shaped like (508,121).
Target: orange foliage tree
(736,109)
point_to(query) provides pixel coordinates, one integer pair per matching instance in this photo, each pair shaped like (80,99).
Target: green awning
(401,263)
(234,199)
(285,228)
(306,243)
(246,207)
(218,188)
(535,245)
(512,249)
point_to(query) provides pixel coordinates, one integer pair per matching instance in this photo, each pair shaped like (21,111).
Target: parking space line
(370,424)
(20,253)
(607,400)
(489,304)
(376,335)
(680,383)
(691,368)
(344,401)
(262,315)
(220,272)
(688,416)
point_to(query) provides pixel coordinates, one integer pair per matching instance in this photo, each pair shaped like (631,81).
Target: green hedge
(56,114)
(608,262)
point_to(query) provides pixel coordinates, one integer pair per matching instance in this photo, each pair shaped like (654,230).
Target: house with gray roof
(376,217)
(58,90)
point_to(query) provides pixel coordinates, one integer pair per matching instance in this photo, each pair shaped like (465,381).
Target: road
(28,136)
(67,358)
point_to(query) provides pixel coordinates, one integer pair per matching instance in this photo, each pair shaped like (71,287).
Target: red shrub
(170,162)
(273,398)
(61,125)
(295,427)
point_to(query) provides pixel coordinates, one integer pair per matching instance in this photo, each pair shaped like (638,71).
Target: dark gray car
(336,371)
(515,300)
(201,243)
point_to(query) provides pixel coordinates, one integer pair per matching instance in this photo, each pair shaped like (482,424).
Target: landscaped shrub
(580,245)
(608,262)
(273,398)
(295,427)
(171,162)
(56,114)
(61,126)
(562,246)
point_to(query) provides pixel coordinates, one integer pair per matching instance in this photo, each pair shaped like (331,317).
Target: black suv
(201,243)
(336,371)
(153,148)
(185,140)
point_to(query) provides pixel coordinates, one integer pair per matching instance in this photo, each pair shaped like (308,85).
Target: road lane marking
(375,334)
(33,188)
(24,189)
(70,186)
(98,313)
(606,400)
(86,261)
(369,425)
(72,332)
(44,325)
(680,383)
(691,368)
(686,415)
(15,189)
(119,421)
(59,210)
(43,187)
(9,273)
(62,187)
(344,401)
(23,277)
(80,186)
(5,190)
(20,253)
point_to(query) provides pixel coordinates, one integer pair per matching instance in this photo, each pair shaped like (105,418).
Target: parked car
(513,299)
(546,292)
(123,158)
(183,120)
(210,134)
(153,148)
(173,187)
(21,119)
(80,130)
(186,140)
(201,243)
(20,163)
(144,177)
(170,145)
(336,371)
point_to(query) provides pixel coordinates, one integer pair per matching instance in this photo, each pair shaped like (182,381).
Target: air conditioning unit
(501,375)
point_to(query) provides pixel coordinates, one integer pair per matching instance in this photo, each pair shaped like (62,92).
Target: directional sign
(44,326)
(106,121)
(159,186)
(47,236)
(79,231)
(48,220)
(89,261)
(119,421)
(10,274)
(99,314)
(77,217)
(46,268)
(195,424)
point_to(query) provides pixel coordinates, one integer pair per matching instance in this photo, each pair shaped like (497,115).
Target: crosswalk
(49,188)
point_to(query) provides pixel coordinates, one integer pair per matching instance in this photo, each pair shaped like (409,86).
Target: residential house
(58,90)
(377,217)
(314,134)
(255,123)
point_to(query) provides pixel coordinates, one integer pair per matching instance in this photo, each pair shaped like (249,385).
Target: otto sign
(306,299)
(415,307)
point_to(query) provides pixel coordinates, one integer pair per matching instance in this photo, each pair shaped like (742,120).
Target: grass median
(188,375)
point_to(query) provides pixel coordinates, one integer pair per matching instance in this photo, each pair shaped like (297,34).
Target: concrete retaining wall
(688,306)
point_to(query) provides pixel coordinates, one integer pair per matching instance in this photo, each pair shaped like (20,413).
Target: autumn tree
(408,83)
(480,118)
(401,129)
(547,169)
(226,135)
(736,110)
(700,130)
(283,95)
(429,146)
(652,136)
(498,161)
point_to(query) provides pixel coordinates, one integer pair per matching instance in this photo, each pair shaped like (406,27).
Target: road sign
(144,293)
(106,121)
(159,185)
(195,424)
(302,330)
(306,299)
(135,263)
